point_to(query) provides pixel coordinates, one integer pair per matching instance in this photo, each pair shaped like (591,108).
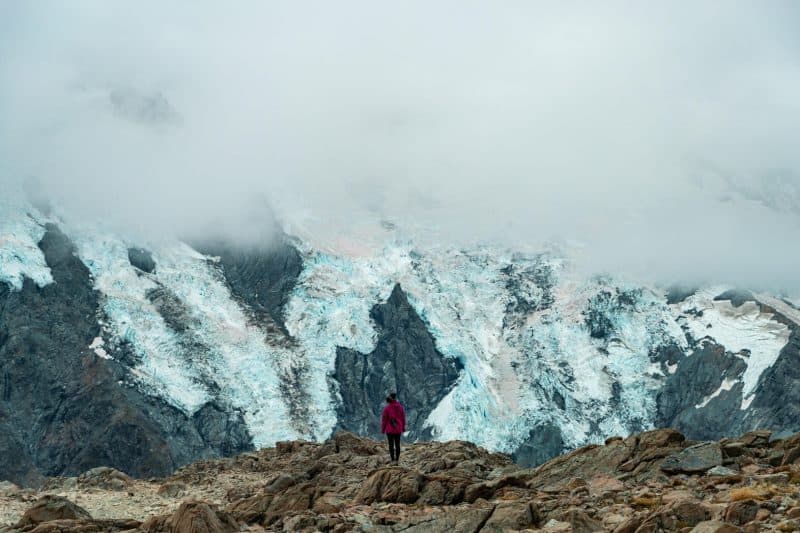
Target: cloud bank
(660,140)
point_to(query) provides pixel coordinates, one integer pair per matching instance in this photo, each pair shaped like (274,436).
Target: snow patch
(727,384)
(754,336)
(97,346)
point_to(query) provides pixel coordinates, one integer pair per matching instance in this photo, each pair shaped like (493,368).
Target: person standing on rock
(393,424)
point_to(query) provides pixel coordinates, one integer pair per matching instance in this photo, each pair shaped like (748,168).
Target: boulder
(7,488)
(486,489)
(792,456)
(579,521)
(48,508)
(694,459)
(172,489)
(104,477)
(508,516)
(721,471)
(329,503)
(193,517)
(715,526)
(251,510)
(394,484)
(458,518)
(742,512)
(605,484)
(443,490)
(684,513)
(756,438)
(344,441)
(630,525)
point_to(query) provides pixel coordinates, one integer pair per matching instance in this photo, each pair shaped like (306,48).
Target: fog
(657,141)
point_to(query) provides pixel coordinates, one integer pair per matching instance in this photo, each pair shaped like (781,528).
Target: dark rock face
(777,398)
(64,410)
(678,293)
(261,278)
(543,443)
(777,402)
(405,360)
(736,297)
(142,259)
(696,378)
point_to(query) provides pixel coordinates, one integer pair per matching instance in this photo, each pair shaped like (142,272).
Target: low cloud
(659,141)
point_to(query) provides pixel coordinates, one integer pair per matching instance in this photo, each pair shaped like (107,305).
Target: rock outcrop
(65,409)
(404,360)
(651,482)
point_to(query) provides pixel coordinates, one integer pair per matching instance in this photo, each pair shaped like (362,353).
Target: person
(393,424)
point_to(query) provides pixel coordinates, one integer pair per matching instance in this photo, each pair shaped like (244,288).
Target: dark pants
(394,446)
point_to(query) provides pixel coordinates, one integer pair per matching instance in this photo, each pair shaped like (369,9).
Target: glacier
(539,342)
(21,229)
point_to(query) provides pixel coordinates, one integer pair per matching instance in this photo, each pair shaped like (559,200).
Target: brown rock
(396,485)
(732,449)
(49,508)
(251,510)
(751,469)
(329,503)
(172,489)
(741,512)
(487,489)
(792,456)
(794,512)
(579,520)
(605,484)
(756,438)
(348,442)
(781,478)
(104,477)
(193,517)
(443,490)
(660,438)
(512,516)
(630,525)
(694,459)
(280,483)
(554,526)
(85,526)
(715,526)
(775,457)
(671,496)
(684,513)
(458,518)
(296,499)
(788,525)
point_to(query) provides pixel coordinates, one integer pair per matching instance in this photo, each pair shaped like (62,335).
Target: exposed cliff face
(405,360)
(65,408)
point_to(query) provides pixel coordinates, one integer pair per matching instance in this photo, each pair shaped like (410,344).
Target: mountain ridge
(238,350)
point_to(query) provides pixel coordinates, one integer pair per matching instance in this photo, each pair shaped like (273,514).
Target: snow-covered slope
(537,344)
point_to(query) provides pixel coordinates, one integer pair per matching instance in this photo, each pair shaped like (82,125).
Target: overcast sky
(660,137)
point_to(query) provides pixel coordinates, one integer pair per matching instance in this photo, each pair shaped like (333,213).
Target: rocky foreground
(655,481)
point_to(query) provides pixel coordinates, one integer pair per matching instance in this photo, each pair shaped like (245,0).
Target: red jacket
(393,420)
